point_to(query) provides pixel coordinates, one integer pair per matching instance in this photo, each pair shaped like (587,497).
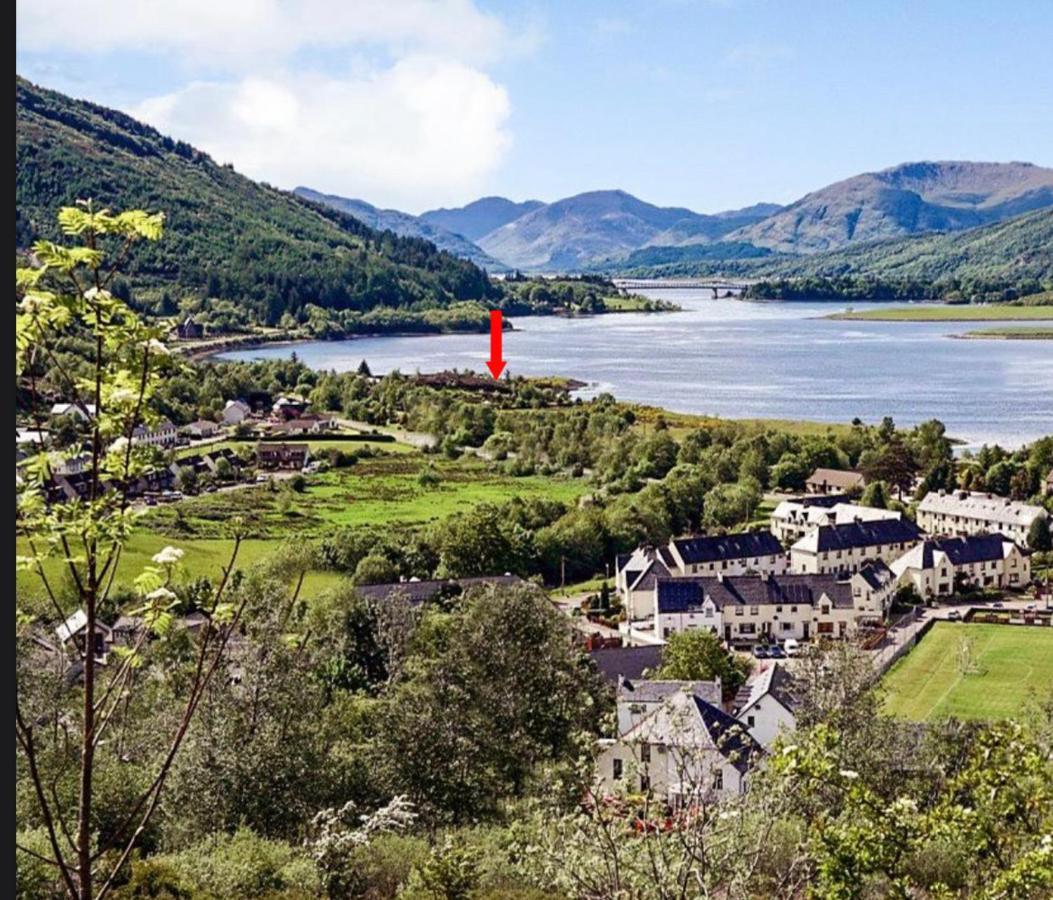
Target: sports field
(1005,666)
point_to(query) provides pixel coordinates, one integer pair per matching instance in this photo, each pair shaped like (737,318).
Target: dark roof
(730,736)
(710,548)
(964,550)
(656,569)
(865,534)
(775,681)
(687,594)
(627,662)
(824,500)
(877,574)
(416,592)
(842,478)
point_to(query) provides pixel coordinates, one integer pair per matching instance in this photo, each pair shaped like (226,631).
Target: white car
(792,646)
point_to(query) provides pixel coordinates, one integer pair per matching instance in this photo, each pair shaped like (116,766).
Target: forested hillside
(226,235)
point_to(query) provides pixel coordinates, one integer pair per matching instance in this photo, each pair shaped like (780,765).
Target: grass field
(987,312)
(1012,333)
(1015,663)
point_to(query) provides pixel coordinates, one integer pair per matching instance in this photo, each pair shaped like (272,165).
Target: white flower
(119,446)
(169,556)
(161,595)
(155,347)
(849,774)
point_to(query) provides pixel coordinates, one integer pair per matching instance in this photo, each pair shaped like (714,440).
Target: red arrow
(495,363)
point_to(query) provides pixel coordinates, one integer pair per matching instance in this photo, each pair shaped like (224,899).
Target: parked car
(998,605)
(954,616)
(760,652)
(776,652)
(792,646)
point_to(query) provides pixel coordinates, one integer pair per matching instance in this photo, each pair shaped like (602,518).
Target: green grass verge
(1015,663)
(987,312)
(1012,333)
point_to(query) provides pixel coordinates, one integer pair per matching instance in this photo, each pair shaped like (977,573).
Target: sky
(708,104)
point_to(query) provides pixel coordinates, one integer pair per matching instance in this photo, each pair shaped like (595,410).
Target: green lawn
(1014,332)
(957,312)
(204,556)
(1015,663)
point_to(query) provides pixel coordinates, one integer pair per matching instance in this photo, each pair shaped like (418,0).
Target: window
(793,609)
(645,753)
(709,612)
(754,610)
(787,626)
(738,610)
(645,784)
(617,769)
(825,609)
(747,628)
(718,780)
(749,721)
(778,609)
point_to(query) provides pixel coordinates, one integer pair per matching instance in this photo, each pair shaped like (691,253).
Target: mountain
(226,235)
(479,217)
(903,200)
(701,229)
(572,233)
(1014,251)
(404,225)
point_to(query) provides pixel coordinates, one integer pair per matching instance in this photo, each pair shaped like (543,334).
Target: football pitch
(978,672)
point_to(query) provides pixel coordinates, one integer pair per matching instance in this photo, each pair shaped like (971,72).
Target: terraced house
(636,574)
(793,519)
(965,513)
(749,609)
(843,549)
(935,568)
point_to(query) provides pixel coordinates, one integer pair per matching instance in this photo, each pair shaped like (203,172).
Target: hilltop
(226,235)
(903,200)
(479,217)
(404,225)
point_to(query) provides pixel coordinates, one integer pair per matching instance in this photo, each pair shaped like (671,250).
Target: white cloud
(239,33)
(424,132)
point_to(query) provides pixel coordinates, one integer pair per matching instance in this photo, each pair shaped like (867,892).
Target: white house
(964,513)
(834,481)
(235,412)
(846,548)
(748,609)
(793,519)
(935,568)
(685,752)
(202,428)
(163,434)
(766,704)
(72,409)
(730,554)
(638,698)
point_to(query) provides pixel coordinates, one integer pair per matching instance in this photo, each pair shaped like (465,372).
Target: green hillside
(226,235)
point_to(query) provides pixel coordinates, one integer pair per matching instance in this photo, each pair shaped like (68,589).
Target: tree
(699,655)
(875,495)
(1038,536)
(187,480)
(731,504)
(375,569)
(67,295)
(892,463)
(363,369)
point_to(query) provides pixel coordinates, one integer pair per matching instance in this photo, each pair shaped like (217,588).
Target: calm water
(747,360)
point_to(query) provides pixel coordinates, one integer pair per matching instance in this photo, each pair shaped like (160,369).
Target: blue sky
(709,104)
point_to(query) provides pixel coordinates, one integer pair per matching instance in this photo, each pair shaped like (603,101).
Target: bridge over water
(716,285)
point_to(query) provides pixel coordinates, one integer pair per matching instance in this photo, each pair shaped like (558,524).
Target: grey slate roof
(641,691)
(687,594)
(774,680)
(628,662)
(854,535)
(711,548)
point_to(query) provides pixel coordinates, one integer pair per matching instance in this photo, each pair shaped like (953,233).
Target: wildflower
(169,556)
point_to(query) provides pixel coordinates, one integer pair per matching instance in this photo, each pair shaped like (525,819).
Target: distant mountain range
(903,200)
(406,225)
(614,231)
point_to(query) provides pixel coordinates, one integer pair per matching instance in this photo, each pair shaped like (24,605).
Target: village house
(72,409)
(163,434)
(964,512)
(282,456)
(289,407)
(834,481)
(846,548)
(793,519)
(767,703)
(940,566)
(635,699)
(235,412)
(748,609)
(187,330)
(201,428)
(733,554)
(686,751)
(74,632)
